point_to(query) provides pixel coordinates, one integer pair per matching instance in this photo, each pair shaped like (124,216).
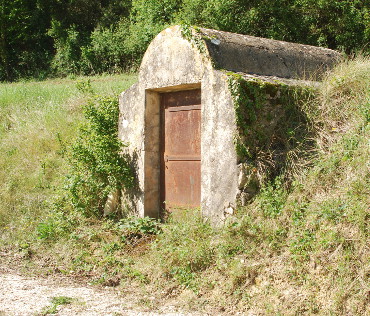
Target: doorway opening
(172,172)
(181,149)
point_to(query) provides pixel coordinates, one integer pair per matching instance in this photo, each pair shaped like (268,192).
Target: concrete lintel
(181,87)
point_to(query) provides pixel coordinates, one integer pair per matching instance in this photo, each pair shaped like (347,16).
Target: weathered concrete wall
(272,127)
(219,159)
(140,104)
(131,132)
(170,60)
(171,63)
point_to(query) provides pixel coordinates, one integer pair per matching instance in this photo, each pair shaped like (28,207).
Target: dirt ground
(29,295)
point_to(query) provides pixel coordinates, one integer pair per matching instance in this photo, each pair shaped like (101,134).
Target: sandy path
(21,295)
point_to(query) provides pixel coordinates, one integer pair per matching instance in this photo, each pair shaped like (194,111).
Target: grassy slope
(302,251)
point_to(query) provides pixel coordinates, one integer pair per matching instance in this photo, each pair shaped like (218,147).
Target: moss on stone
(270,121)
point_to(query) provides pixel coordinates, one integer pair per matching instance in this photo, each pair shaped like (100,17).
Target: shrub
(106,52)
(68,49)
(97,166)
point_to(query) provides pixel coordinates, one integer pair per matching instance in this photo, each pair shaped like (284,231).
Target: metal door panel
(182,132)
(181,151)
(182,184)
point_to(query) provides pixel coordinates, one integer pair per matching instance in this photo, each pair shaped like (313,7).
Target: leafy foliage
(98,168)
(272,198)
(55,303)
(95,36)
(136,227)
(25,48)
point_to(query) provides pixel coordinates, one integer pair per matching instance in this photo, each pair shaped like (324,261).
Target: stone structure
(245,85)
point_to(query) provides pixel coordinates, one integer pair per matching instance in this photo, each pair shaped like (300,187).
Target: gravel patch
(22,296)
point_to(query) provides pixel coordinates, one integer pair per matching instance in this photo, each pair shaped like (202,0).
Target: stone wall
(271,127)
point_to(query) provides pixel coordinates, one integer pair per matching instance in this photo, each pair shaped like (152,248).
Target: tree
(24,43)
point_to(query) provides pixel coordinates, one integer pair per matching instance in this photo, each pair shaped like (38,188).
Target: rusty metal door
(181,154)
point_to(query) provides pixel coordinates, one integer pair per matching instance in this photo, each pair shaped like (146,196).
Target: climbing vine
(247,97)
(194,36)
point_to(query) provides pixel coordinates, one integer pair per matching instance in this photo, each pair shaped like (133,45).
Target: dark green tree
(94,36)
(25,47)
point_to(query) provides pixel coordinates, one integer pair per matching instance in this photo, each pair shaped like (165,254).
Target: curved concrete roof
(171,53)
(266,57)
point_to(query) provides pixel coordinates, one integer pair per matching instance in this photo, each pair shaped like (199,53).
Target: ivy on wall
(271,122)
(194,36)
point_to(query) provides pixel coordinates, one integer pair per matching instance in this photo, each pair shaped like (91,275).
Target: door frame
(163,187)
(152,145)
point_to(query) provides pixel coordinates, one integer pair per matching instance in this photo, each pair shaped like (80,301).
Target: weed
(272,198)
(136,227)
(301,245)
(56,225)
(333,210)
(184,248)
(55,303)
(84,86)
(239,237)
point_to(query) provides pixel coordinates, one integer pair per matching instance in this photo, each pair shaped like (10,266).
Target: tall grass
(37,119)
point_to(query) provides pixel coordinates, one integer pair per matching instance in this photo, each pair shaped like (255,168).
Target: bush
(97,166)
(68,49)
(106,51)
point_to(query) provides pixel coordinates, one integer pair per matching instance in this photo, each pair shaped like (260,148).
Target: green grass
(36,120)
(295,250)
(55,303)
